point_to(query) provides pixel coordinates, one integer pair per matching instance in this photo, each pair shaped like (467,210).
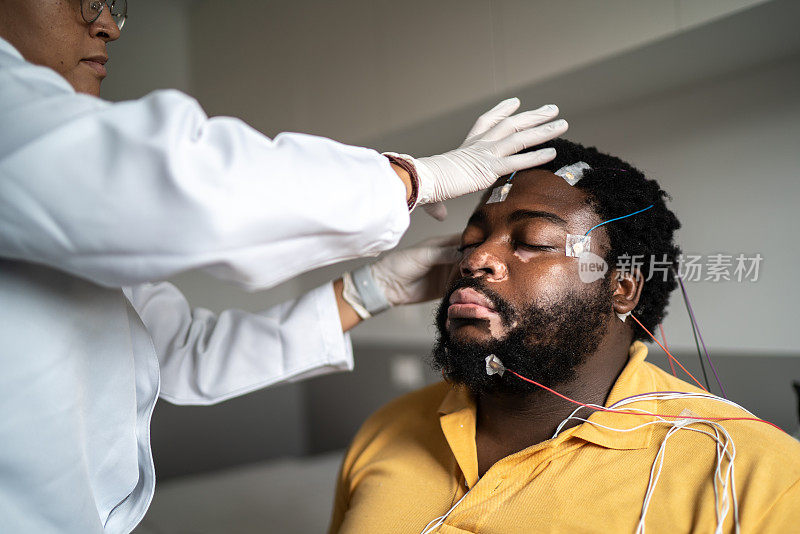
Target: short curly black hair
(615,188)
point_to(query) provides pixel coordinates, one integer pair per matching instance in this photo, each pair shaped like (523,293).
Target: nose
(482,263)
(104,27)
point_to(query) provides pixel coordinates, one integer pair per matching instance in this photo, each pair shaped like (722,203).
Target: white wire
(724,480)
(439,520)
(655,473)
(677,395)
(730,475)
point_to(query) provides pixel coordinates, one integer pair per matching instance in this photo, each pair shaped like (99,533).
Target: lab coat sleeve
(207,358)
(134,192)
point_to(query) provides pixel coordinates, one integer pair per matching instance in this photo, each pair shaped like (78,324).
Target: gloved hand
(416,274)
(419,273)
(489,152)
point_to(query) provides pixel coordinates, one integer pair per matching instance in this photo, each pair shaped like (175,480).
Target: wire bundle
(724,480)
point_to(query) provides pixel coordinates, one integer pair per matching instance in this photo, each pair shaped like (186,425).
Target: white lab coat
(98,200)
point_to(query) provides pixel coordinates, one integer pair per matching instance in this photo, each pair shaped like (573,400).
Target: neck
(509,423)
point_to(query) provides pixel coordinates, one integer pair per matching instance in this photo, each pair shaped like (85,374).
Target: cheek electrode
(578,244)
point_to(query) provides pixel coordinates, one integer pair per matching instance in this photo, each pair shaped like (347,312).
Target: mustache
(502,308)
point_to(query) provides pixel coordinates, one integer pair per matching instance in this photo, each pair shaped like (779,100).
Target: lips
(96,63)
(467,303)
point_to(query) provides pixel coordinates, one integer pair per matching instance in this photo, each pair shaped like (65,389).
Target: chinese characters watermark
(690,267)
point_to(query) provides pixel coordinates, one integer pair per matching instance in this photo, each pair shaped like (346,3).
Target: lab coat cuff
(337,347)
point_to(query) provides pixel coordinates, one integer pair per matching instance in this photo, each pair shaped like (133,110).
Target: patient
(496,454)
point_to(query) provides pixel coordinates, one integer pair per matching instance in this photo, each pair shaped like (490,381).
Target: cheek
(60,46)
(525,255)
(546,280)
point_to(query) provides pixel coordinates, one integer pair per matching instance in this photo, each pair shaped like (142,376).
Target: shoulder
(765,455)
(663,381)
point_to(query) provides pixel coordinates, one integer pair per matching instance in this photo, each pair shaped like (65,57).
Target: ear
(627,291)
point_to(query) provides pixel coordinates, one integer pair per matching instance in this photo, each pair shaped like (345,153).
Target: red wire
(554,392)
(668,354)
(663,337)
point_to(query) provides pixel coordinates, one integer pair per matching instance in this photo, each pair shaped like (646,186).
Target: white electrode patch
(494,366)
(578,244)
(499,194)
(573,173)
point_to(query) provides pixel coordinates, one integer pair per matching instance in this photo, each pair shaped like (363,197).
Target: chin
(476,331)
(91,89)
(88,86)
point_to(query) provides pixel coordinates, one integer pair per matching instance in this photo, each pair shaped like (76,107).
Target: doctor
(100,201)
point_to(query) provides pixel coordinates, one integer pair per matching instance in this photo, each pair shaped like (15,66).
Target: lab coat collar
(8,48)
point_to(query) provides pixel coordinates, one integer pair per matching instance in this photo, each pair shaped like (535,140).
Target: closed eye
(529,246)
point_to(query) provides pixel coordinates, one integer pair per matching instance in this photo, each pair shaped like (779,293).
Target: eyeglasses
(91,10)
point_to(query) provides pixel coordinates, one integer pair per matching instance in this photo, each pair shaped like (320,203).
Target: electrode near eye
(576,244)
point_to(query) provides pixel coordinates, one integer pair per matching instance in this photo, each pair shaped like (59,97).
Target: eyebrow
(521,215)
(478,218)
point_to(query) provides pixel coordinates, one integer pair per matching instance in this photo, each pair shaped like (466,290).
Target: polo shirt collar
(458,414)
(635,379)
(457,417)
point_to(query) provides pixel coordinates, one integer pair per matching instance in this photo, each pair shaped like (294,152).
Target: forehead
(539,190)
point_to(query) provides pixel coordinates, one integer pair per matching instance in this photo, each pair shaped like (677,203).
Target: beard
(545,343)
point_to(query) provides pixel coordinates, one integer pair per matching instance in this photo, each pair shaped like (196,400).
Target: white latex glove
(419,273)
(491,150)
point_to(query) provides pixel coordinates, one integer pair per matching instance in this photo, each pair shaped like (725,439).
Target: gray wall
(727,151)
(152,52)
(359,69)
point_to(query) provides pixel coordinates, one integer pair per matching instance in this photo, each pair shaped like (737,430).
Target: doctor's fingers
(501,111)
(521,122)
(437,210)
(535,136)
(445,253)
(519,162)
(441,241)
(436,282)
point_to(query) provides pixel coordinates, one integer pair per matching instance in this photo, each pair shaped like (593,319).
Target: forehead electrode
(500,193)
(573,173)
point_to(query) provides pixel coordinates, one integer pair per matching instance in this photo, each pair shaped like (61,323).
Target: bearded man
(489,451)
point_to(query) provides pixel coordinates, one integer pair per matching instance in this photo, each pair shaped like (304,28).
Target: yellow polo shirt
(415,458)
